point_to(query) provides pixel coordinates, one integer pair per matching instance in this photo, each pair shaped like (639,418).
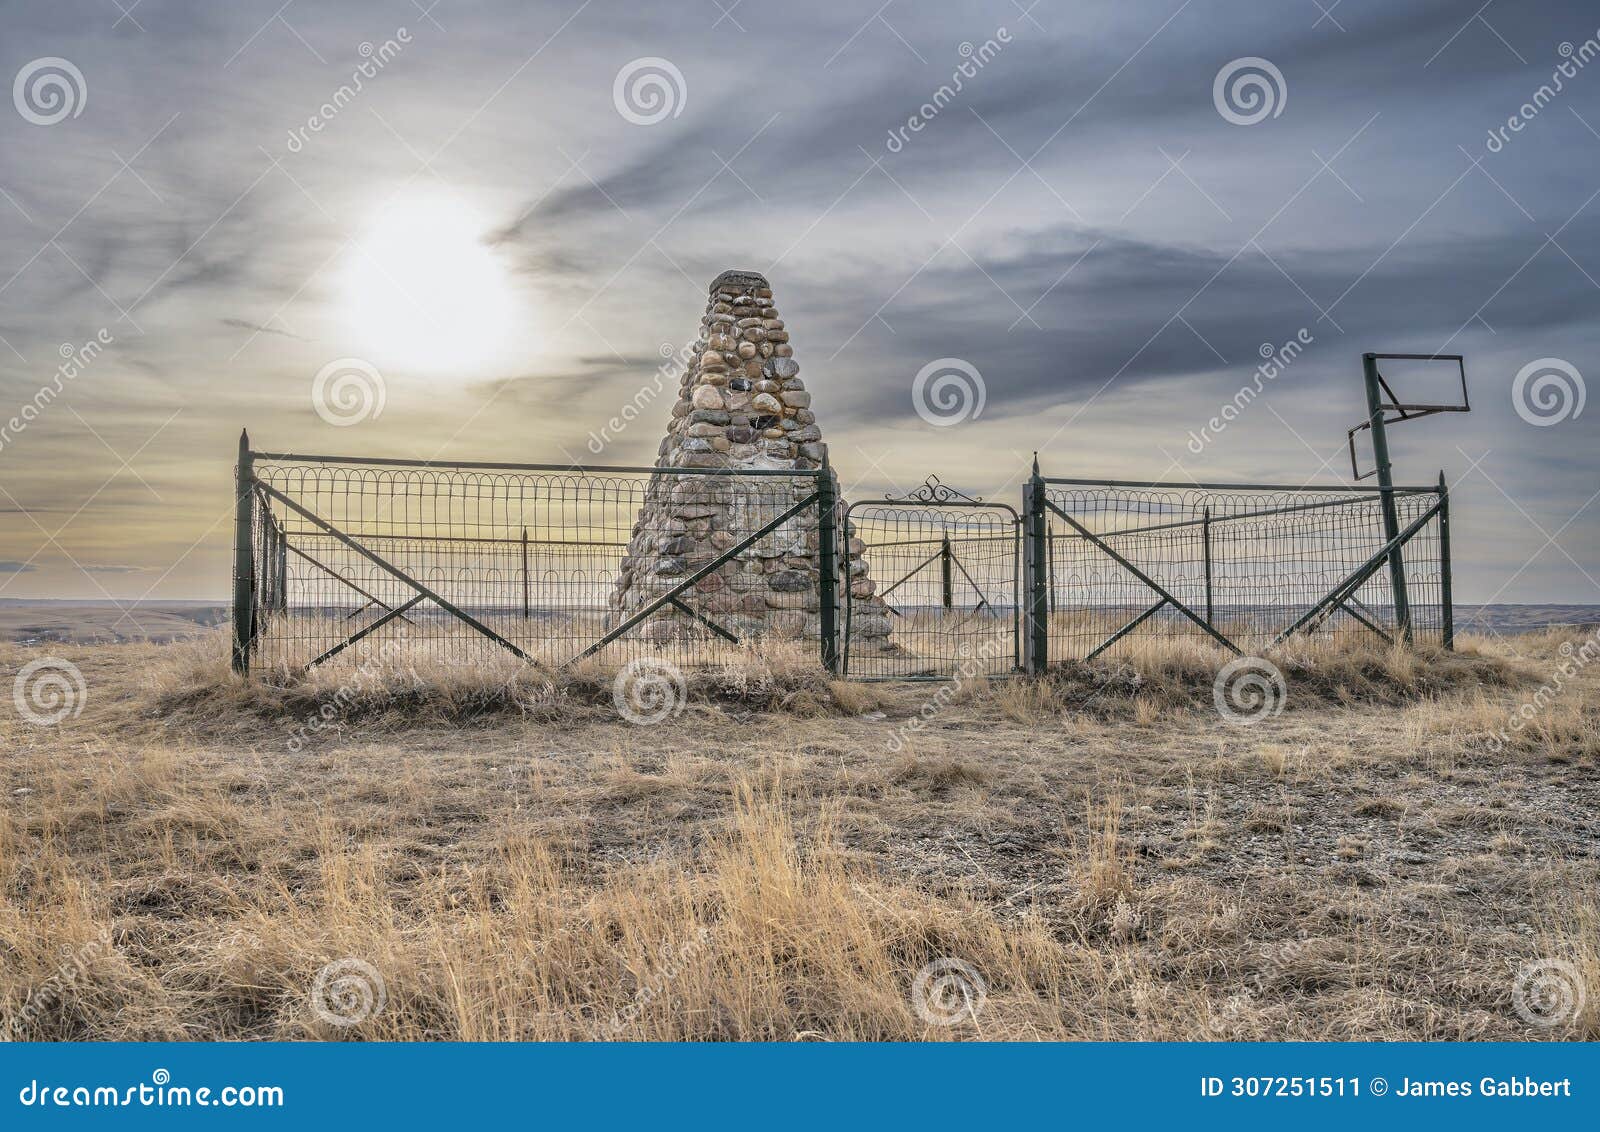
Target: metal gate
(931,586)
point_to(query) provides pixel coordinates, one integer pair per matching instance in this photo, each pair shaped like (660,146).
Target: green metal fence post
(1391,515)
(1036,578)
(1447,609)
(828,566)
(243,557)
(1050,561)
(283,571)
(948,586)
(527,600)
(1205,530)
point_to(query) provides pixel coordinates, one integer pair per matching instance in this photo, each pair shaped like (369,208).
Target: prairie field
(500,854)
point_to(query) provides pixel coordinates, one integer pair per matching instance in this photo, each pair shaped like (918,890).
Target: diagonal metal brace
(1126,629)
(339,577)
(1358,578)
(398,573)
(368,630)
(704,620)
(1145,578)
(676,591)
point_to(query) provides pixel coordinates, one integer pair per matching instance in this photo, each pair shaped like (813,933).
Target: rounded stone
(785,367)
(765,402)
(708,397)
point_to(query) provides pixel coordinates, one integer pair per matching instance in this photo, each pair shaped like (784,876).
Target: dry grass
(780,860)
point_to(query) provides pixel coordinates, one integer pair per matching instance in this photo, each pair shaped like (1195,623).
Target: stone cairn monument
(741,405)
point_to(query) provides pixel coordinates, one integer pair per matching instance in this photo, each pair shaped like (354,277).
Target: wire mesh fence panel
(1251,563)
(466,566)
(942,579)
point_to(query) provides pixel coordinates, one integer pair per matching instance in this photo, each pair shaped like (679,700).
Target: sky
(444,229)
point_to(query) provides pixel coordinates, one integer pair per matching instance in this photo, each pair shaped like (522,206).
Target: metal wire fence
(465,563)
(1249,564)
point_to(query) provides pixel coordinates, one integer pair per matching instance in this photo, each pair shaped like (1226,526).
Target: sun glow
(425,291)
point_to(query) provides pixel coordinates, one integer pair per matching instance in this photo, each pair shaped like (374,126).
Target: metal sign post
(1381,401)
(1391,518)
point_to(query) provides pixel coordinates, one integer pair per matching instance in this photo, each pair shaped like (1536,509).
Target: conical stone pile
(741,405)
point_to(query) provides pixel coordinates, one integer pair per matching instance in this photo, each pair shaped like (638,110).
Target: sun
(425,291)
